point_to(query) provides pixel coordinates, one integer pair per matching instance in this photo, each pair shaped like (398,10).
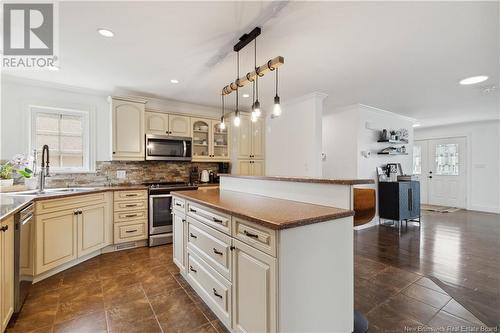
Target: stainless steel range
(160,210)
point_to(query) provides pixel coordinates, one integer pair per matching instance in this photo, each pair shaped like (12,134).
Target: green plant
(26,172)
(6,171)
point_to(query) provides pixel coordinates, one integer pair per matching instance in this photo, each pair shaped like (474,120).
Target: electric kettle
(204,176)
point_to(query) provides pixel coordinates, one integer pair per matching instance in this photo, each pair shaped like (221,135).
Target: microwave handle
(185,148)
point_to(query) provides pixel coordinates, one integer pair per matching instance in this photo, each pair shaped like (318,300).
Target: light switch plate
(121,174)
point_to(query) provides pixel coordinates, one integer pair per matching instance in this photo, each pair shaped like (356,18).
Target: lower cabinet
(179,235)
(67,234)
(254,290)
(251,168)
(6,271)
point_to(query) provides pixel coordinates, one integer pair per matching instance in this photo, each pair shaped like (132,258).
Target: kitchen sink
(54,191)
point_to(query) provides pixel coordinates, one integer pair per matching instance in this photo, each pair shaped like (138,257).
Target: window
(447,159)
(66,132)
(417,160)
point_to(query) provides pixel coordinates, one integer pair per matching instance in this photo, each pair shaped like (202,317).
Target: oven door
(160,217)
(168,148)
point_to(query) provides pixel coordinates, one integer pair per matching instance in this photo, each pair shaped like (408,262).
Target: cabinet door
(179,125)
(156,123)
(128,130)
(56,239)
(201,139)
(245,168)
(245,137)
(254,290)
(258,139)
(220,142)
(92,229)
(258,168)
(7,271)
(179,226)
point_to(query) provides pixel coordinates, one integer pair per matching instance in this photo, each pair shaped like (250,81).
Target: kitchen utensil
(205,176)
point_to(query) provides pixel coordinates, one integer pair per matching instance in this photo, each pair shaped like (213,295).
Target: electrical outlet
(121,174)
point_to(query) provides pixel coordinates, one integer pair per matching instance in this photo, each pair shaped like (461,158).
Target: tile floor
(140,290)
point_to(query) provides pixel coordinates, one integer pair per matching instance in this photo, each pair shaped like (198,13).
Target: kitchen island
(266,263)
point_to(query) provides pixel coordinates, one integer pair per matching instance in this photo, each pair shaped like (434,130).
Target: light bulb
(222,124)
(256,108)
(277,107)
(254,117)
(237,121)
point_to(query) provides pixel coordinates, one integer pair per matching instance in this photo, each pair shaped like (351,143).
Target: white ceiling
(405,57)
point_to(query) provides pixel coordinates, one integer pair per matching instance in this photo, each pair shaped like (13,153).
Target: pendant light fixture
(256,104)
(277,106)
(237,119)
(222,125)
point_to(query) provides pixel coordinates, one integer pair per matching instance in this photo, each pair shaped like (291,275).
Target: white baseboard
(485,209)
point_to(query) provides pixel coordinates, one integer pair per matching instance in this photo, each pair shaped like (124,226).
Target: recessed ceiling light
(174,81)
(416,125)
(105,32)
(245,95)
(474,79)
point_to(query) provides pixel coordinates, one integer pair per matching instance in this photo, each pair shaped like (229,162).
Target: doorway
(440,166)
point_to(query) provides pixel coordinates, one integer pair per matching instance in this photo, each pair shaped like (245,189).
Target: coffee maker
(223,167)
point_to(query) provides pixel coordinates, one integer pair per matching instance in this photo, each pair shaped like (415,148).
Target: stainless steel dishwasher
(23,256)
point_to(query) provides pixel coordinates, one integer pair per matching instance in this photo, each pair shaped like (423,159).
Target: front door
(443,171)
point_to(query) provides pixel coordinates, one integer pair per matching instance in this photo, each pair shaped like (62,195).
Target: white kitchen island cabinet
(264,264)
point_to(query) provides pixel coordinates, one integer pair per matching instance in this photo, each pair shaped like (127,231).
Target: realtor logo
(29,36)
(28,29)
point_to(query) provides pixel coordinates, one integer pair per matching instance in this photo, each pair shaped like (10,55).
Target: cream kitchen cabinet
(128,128)
(179,239)
(210,143)
(254,290)
(167,124)
(70,228)
(130,216)
(251,167)
(250,138)
(6,271)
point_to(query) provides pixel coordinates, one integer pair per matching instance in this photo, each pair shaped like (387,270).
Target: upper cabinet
(128,128)
(167,124)
(210,143)
(250,138)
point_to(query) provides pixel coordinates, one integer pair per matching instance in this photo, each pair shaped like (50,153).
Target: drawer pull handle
(4,228)
(217,252)
(192,210)
(193,236)
(131,195)
(178,204)
(131,215)
(192,269)
(130,231)
(217,294)
(216,220)
(248,234)
(131,205)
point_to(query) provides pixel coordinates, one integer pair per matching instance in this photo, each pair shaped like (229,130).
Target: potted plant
(6,179)
(21,164)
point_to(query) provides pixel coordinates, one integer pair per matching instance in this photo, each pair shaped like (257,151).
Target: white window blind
(66,132)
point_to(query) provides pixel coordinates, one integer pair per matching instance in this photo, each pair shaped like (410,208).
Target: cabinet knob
(4,228)
(114,152)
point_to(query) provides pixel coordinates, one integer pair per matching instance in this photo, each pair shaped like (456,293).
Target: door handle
(131,215)
(192,269)
(217,252)
(193,236)
(216,220)
(217,294)
(250,234)
(130,231)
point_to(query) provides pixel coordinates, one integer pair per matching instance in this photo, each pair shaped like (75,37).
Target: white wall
(483,160)
(18,94)
(293,141)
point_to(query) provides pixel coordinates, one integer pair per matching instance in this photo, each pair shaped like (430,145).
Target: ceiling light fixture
(237,120)
(222,124)
(105,32)
(473,80)
(174,81)
(253,77)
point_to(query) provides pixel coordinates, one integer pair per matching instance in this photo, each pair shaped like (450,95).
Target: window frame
(87,136)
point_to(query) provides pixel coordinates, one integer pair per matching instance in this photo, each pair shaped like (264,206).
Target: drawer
(212,288)
(130,231)
(179,204)
(213,218)
(257,236)
(211,245)
(130,195)
(127,206)
(130,216)
(70,202)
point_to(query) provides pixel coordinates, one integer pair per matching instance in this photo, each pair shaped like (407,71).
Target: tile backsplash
(136,172)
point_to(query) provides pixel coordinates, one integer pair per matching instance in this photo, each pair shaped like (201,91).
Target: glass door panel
(201,138)
(220,141)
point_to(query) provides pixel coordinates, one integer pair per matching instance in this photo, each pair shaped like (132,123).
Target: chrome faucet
(44,170)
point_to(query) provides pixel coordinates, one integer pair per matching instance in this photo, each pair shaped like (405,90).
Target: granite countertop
(306,179)
(11,204)
(269,212)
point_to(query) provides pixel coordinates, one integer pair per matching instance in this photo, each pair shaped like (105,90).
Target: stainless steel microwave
(168,148)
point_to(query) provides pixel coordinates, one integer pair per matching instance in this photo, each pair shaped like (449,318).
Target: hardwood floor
(459,251)
(403,282)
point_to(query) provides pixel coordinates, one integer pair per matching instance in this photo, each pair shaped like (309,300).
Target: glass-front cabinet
(210,143)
